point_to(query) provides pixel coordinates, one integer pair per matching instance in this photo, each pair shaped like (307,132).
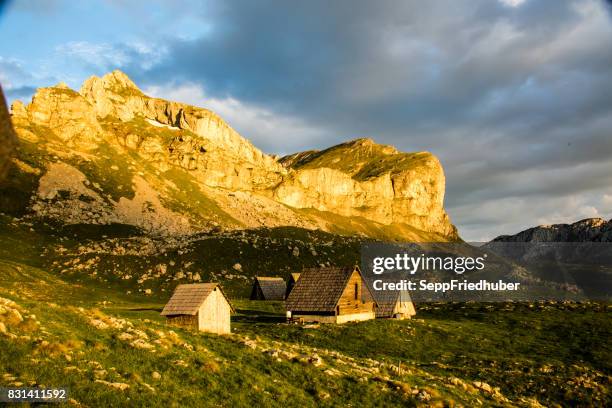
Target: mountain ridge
(170,167)
(585,230)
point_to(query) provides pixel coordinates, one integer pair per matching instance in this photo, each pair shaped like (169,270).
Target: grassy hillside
(113,349)
(362,158)
(120,257)
(84,327)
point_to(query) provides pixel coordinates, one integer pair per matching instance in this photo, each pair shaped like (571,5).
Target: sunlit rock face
(362,178)
(198,172)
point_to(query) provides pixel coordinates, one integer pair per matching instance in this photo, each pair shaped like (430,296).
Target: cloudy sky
(513,96)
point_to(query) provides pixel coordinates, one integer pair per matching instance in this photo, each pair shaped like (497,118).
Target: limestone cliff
(362,178)
(109,153)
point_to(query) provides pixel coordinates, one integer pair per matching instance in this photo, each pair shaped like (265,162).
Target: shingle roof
(187,298)
(273,288)
(319,289)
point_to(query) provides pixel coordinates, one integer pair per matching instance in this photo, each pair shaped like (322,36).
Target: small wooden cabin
(293,278)
(201,306)
(394,304)
(331,295)
(268,288)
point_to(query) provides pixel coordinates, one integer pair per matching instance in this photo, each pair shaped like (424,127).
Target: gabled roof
(273,288)
(187,298)
(320,289)
(387,299)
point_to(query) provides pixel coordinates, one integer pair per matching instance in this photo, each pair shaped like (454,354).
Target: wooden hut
(203,306)
(394,304)
(331,295)
(268,288)
(293,278)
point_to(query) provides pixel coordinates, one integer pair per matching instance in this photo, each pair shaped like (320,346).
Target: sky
(513,96)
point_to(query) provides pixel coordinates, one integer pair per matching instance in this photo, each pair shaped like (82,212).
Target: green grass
(361,158)
(19,186)
(506,345)
(188,198)
(364,227)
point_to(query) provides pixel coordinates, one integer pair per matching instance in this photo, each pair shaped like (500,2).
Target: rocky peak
(111,94)
(113,82)
(66,114)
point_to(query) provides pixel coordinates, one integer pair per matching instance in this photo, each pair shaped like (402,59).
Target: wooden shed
(331,295)
(394,304)
(293,278)
(268,288)
(202,306)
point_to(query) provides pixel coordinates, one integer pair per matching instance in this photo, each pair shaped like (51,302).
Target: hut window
(356,291)
(202,150)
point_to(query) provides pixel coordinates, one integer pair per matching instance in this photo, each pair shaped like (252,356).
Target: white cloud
(512,3)
(270,131)
(514,214)
(107,56)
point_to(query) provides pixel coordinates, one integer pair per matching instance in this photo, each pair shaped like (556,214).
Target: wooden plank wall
(215,314)
(347,303)
(405,309)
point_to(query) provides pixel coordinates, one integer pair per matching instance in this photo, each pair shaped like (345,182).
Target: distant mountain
(110,154)
(577,256)
(587,230)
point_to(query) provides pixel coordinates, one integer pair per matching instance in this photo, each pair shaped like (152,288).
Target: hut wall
(355,317)
(183,321)
(404,310)
(315,318)
(214,314)
(355,304)
(256,292)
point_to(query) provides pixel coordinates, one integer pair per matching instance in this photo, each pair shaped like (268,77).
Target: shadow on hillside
(145,309)
(257,316)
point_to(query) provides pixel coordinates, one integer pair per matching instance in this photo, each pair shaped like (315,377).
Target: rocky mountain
(577,257)
(7,137)
(587,230)
(110,154)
